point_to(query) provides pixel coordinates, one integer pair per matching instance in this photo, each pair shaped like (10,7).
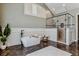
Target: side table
(44,42)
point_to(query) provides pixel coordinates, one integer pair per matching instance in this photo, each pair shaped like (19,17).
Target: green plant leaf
(7,30)
(3,40)
(0,30)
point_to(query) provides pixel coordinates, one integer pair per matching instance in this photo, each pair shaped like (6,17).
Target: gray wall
(14,15)
(75,13)
(0,14)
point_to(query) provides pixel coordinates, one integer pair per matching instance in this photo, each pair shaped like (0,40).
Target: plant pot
(3,47)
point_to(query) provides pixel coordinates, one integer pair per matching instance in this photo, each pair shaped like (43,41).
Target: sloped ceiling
(61,7)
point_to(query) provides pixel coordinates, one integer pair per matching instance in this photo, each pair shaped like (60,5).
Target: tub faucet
(22,33)
(21,37)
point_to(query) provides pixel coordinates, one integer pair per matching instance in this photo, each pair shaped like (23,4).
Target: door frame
(77,26)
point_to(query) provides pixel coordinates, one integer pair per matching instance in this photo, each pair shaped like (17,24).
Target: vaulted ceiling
(61,7)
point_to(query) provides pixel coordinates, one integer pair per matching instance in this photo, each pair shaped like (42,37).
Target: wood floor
(21,51)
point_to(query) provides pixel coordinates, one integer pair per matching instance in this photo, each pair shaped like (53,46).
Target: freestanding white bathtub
(30,41)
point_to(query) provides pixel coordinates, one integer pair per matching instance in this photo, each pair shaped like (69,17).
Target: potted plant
(4,35)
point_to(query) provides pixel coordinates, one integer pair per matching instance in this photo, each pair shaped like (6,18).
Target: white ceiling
(61,7)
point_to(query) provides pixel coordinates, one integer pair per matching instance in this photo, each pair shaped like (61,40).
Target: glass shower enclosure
(66,31)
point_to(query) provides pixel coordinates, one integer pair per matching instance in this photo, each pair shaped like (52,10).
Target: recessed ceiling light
(64,5)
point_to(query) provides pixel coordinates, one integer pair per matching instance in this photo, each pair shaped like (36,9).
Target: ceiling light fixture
(64,6)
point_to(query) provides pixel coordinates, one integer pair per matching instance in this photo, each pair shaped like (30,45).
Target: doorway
(78,29)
